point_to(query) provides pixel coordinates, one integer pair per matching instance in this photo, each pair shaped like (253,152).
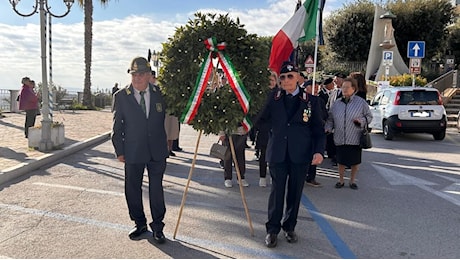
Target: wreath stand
(207,68)
(243,198)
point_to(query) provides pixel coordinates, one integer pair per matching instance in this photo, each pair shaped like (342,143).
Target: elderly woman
(347,118)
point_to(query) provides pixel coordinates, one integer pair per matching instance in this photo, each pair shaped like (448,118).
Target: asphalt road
(407,206)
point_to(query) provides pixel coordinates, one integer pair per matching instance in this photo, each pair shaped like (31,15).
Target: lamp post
(156,61)
(43,7)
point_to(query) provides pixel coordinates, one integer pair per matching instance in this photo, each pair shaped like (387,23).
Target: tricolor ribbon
(215,51)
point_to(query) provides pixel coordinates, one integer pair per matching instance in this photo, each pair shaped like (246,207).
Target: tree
(348,31)
(418,20)
(183,55)
(454,41)
(87,6)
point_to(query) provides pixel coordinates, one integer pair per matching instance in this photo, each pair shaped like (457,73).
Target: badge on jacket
(159,107)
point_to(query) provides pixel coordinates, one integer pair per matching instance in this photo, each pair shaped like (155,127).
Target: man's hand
(317,159)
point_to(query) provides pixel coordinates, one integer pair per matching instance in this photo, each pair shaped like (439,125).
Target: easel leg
(243,198)
(184,196)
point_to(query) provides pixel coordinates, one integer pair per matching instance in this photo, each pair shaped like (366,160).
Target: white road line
(80,188)
(65,217)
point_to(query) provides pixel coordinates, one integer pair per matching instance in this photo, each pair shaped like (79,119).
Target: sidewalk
(81,127)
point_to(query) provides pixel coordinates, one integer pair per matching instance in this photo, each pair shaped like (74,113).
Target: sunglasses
(289,76)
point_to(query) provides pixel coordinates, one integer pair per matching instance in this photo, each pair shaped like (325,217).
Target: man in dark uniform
(139,139)
(296,140)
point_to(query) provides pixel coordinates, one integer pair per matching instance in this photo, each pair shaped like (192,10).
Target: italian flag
(301,27)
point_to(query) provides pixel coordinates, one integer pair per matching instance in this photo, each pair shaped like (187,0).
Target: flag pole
(315,59)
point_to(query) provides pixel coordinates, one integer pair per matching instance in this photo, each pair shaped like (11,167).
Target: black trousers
(311,174)
(294,175)
(262,163)
(330,146)
(31,115)
(134,174)
(239,142)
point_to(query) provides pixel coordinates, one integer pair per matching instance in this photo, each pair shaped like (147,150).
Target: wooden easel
(243,198)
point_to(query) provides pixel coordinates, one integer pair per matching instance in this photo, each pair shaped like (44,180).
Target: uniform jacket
(341,116)
(293,135)
(28,100)
(138,138)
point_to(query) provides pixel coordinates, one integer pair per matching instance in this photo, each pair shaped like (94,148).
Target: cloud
(115,43)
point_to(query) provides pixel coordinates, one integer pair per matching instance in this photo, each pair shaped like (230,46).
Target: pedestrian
(347,118)
(361,81)
(335,94)
(139,139)
(28,101)
(296,140)
(171,122)
(262,132)
(239,137)
(322,98)
(115,88)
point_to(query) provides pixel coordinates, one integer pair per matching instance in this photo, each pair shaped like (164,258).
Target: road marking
(65,217)
(340,246)
(203,243)
(396,178)
(80,189)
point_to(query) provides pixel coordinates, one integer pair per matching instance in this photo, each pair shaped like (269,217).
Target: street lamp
(156,60)
(42,5)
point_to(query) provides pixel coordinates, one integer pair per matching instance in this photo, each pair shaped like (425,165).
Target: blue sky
(122,30)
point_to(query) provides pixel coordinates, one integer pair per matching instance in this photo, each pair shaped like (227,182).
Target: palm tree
(87,6)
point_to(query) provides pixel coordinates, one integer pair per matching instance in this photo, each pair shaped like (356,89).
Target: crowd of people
(302,121)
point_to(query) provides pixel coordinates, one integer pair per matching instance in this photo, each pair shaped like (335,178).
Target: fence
(8,102)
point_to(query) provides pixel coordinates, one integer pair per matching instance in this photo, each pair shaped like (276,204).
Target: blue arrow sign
(415,49)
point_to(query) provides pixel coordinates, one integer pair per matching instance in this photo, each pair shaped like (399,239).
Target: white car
(408,110)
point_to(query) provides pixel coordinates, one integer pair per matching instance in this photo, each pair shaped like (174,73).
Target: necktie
(142,102)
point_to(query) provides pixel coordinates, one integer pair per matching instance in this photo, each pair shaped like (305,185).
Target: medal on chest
(307,113)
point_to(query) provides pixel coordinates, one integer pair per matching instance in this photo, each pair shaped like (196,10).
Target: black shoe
(137,231)
(177,149)
(271,240)
(339,185)
(171,153)
(159,237)
(353,186)
(291,236)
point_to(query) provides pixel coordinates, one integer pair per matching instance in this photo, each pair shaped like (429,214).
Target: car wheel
(387,132)
(439,135)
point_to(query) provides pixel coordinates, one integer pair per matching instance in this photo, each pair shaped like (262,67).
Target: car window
(385,98)
(421,97)
(376,99)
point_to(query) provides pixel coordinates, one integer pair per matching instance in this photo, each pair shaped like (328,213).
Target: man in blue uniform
(297,139)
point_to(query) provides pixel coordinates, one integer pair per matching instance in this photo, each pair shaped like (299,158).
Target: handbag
(218,151)
(365,141)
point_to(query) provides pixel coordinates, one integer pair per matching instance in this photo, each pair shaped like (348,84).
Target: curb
(25,168)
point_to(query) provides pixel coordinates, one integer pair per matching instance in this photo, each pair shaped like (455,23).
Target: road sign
(416,49)
(388,58)
(309,62)
(415,66)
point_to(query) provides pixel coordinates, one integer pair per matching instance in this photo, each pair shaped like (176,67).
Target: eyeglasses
(289,76)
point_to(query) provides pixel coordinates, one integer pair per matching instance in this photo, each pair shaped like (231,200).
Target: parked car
(408,110)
